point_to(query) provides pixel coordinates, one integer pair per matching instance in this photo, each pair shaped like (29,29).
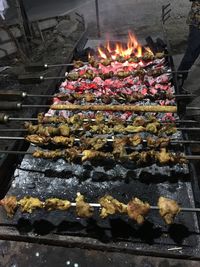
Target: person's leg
(192,51)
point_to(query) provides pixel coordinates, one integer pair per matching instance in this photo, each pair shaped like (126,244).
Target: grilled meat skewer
(135,209)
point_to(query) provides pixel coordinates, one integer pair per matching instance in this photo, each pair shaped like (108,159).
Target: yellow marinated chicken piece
(168,209)
(29,204)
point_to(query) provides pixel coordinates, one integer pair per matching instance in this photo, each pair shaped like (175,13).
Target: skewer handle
(12,95)
(5,105)
(36,67)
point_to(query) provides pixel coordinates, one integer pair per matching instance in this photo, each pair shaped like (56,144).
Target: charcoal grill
(39,178)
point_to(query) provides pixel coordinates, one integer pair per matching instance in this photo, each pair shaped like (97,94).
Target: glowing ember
(132,48)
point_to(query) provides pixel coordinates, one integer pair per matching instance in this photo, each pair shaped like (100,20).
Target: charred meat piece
(64,130)
(137,210)
(92,154)
(178,158)
(152,127)
(163,157)
(135,140)
(162,142)
(95,143)
(168,129)
(83,209)
(37,139)
(99,117)
(48,154)
(29,204)
(134,129)
(62,140)
(72,153)
(57,204)
(159,142)
(134,156)
(73,76)
(119,150)
(147,56)
(10,205)
(139,121)
(89,97)
(42,119)
(168,209)
(110,206)
(119,128)
(78,64)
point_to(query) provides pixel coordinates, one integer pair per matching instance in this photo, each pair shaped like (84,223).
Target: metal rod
(25,130)
(182,209)
(97,18)
(52,96)
(188,157)
(13,152)
(86,120)
(108,140)
(97,205)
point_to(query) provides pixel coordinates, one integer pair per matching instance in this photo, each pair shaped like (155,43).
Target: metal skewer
(4,118)
(45,66)
(108,140)
(187,157)
(97,205)
(81,129)
(17,95)
(133,108)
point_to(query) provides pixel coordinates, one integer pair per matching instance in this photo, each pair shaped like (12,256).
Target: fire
(131,48)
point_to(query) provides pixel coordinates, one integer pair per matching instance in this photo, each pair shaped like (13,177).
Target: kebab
(99,117)
(162,156)
(99,128)
(136,209)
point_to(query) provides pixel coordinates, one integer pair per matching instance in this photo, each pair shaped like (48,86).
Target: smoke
(141,16)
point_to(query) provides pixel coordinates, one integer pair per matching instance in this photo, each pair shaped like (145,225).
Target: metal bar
(97,18)
(25,130)
(93,120)
(13,152)
(182,209)
(166,6)
(109,140)
(188,157)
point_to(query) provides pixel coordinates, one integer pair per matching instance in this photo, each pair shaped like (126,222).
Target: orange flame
(132,48)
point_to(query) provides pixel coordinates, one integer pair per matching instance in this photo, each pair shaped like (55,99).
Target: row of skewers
(80,129)
(136,209)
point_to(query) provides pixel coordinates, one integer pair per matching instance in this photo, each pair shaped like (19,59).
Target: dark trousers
(192,51)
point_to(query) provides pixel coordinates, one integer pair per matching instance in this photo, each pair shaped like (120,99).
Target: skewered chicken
(119,153)
(57,204)
(92,154)
(29,204)
(93,143)
(83,209)
(168,209)
(10,205)
(110,206)
(137,210)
